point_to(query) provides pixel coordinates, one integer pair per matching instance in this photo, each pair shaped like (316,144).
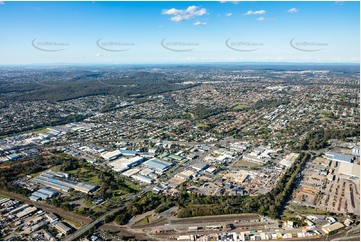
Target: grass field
(245,164)
(143,221)
(325,112)
(240,107)
(202,125)
(87,175)
(308,210)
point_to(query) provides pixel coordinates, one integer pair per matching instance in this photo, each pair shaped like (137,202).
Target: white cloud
(188,13)
(197,23)
(228,14)
(234,2)
(264,19)
(292,10)
(102,55)
(250,12)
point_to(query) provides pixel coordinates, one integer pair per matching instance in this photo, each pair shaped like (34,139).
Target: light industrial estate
(217,153)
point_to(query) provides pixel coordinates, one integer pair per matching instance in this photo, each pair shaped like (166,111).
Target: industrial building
(158,165)
(51,217)
(42,194)
(123,164)
(51,182)
(131,172)
(128,152)
(19,209)
(332,228)
(62,228)
(47,179)
(187,174)
(26,212)
(111,155)
(13,157)
(289,160)
(144,179)
(85,187)
(356,151)
(199,166)
(339,157)
(349,169)
(58,174)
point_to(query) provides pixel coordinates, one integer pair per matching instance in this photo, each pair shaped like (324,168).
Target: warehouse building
(47,180)
(50,173)
(289,160)
(158,165)
(51,182)
(142,178)
(339,157)
(131,172)
(128,152)
(332,228)
(85,187)
(356,151)
(199,166)
(42,194)
(62,228)
(26,212)
(111,155)
(349,169)
(19,209)
(124,164)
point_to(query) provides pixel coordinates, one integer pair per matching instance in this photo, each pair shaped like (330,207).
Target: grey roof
(157,164)
(340,157)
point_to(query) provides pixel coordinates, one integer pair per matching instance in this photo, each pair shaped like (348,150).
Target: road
(91,225)
(83,230)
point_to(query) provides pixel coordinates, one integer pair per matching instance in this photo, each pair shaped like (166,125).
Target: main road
(83,230)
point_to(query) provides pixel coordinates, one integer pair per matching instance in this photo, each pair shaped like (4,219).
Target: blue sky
(178,32)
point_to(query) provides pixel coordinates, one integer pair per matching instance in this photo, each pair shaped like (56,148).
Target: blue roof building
(128,152)
(13,156)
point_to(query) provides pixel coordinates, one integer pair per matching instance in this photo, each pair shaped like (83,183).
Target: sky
(178,32)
